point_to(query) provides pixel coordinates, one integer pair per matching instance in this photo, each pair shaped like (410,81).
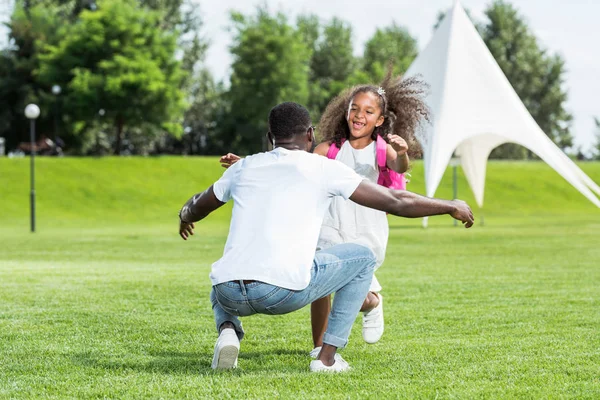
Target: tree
(117,60)
(18,86)
(270,65)
(207,104)
(309,28)
(35,24)
(203,95)
(332,61)
(391,44)
(537,77)
(183,17)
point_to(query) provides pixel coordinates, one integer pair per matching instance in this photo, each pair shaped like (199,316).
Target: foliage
(116,60)
(390,44)
(270,65)
(18,87)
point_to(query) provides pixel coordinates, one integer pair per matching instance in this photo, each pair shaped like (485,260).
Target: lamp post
(101,113)
(56,90)
(188,132)
(32,111)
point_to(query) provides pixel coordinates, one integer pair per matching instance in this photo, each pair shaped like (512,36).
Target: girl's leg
(370,302)
(319,314)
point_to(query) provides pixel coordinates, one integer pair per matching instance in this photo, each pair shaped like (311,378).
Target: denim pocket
(283,305)
(229,291)
(231,300)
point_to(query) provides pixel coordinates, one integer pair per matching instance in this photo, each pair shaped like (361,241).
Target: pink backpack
(387,177)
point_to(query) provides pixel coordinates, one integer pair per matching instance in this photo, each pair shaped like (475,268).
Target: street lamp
(32,111)
(56,90)
(188,132)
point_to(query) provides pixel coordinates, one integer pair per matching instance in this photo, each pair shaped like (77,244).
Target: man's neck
(290,146)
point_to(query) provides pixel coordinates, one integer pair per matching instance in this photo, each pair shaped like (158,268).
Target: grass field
(105,300)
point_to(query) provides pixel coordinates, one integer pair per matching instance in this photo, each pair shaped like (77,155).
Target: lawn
(106,301)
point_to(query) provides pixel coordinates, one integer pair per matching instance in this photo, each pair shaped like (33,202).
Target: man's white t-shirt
(280,198)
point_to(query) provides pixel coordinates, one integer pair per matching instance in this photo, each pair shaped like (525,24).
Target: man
(269,265)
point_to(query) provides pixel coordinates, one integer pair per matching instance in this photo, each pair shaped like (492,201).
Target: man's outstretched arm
(410,205)
(196,209)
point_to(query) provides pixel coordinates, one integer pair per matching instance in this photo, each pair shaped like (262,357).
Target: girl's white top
(348,222)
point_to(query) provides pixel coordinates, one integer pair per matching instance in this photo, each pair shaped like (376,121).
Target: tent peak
(475,109)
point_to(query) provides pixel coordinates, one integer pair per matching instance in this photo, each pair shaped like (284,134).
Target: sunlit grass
(105,301)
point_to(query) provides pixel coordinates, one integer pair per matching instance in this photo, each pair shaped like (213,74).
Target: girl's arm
(322,149)
(397,154)
(228,160)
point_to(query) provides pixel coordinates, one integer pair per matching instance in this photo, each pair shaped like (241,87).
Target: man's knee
(367,254)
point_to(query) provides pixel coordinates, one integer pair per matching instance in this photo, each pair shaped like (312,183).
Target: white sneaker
(339,365)
(226,350)
(373,323)
(314,353)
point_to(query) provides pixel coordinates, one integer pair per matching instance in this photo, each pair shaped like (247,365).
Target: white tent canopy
(475,109)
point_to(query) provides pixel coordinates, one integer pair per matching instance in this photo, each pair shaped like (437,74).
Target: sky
(570,29)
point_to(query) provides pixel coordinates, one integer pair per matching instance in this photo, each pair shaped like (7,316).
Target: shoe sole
(227,357)
(372,341)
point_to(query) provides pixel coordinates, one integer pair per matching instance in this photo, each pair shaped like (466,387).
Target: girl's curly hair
(402,105)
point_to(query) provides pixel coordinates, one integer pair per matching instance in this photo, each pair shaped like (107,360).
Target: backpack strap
(333,150)
(381,154)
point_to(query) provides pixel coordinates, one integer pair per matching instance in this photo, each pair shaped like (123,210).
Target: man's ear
(312,140)
(271,138)
(310,133)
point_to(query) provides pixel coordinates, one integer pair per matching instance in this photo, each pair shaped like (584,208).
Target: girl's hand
(398,144)
(229,159)
(186,229)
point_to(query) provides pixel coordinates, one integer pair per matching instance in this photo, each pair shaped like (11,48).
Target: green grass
(105,301)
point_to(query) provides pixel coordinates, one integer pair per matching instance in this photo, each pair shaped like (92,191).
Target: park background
(105,300)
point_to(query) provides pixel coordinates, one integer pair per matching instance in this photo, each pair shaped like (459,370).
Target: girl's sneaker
(314,353)
(339,365)
(373,323)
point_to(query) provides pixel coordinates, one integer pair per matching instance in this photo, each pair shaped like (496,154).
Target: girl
(351,122)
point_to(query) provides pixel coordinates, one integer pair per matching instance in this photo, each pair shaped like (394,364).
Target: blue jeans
(346,269)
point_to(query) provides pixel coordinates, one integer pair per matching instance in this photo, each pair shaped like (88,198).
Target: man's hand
(186,229)
(398,144)
(463,213)
(196,209)
(229,159)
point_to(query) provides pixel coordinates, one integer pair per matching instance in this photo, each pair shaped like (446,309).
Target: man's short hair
(287,119)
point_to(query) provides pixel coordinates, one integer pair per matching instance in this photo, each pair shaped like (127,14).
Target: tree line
(129,76)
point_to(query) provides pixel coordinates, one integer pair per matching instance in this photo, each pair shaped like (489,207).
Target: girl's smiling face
(364,114)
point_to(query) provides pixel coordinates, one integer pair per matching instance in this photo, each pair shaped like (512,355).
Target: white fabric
(348,222)
(475,109)
(280,198)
